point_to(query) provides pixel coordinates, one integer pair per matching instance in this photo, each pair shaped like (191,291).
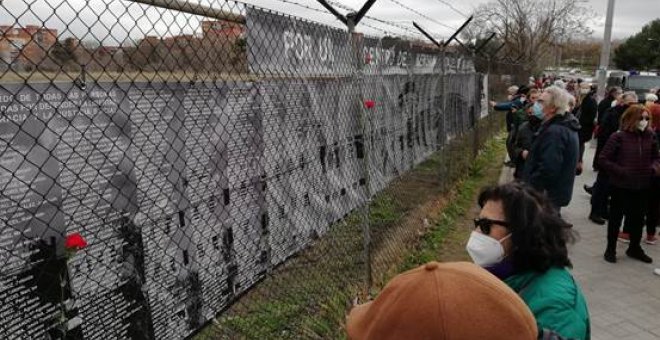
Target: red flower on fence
(75,242)
(369,104)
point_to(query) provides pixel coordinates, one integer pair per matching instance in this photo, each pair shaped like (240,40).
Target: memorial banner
(284,45)
(279,44)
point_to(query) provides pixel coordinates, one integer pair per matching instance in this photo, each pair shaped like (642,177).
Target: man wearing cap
(448,301)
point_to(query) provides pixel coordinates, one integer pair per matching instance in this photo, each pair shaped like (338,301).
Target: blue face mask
(537,110)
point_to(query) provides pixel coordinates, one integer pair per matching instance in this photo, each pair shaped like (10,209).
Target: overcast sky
(112,21)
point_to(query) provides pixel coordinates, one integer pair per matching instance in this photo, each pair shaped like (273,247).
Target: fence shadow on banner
(154,180)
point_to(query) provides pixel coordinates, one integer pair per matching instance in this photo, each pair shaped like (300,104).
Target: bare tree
(529,28)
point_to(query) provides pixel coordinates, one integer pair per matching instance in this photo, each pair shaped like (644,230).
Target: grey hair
(650,97)
(630,95)
(512,89)
(560,99)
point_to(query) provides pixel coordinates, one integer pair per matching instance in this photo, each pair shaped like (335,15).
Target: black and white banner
(284,45)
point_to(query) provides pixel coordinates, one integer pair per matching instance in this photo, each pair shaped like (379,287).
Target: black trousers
(653,212)
(600,195)
(631,204)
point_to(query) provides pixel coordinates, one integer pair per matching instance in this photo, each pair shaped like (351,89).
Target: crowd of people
(519,245)
(550,121)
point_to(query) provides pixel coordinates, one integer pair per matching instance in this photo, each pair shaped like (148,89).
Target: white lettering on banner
(325,50)
(303,47)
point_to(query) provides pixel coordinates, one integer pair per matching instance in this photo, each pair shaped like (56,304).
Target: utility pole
(605,52)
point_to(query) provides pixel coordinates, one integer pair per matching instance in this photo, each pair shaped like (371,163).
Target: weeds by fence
(240,165)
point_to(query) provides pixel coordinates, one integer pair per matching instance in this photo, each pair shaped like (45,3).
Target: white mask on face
(484,250)
(642,125)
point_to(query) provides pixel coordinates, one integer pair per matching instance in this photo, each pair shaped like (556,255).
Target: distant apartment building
(25,46)
(222,28)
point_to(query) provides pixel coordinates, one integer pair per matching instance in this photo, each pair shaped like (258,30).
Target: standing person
(612,94)
(608,126)
(512,107)
(519,239)
(552,161)
(630,157)
(587,118)
(525,136)
(653,212)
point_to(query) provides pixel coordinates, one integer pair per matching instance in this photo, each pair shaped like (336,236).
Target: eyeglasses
(485,224)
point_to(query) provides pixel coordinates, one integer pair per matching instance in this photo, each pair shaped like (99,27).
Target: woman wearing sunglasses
(519,238)
(630,157)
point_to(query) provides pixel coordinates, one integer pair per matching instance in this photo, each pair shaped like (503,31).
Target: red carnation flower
(75,242)
(369,104)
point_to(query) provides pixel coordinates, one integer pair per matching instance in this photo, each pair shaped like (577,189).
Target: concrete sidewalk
(623,298)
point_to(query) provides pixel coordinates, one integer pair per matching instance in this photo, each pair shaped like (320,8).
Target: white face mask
(484,250)
(642,125)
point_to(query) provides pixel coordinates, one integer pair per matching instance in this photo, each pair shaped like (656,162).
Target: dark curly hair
(539,235)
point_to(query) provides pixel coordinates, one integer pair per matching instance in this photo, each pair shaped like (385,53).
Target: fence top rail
(195,8)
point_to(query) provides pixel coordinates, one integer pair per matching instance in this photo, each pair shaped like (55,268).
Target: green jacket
(556,301)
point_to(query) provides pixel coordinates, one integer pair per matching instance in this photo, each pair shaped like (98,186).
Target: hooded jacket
(550,166)
(628,158)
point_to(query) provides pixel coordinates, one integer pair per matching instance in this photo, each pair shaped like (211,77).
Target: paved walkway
(623,298)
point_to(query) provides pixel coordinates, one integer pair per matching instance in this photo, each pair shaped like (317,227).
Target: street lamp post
(605,53)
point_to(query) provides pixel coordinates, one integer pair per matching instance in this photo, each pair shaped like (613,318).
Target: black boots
(610,256)
(597,219)
(638,254)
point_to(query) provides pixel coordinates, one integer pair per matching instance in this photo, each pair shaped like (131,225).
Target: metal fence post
(363,122)
(476,114)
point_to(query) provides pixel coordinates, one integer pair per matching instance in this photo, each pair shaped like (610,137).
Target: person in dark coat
(512,107)
(653,214)
(609,125)
(612,95)
(551,164)
(630,157)
(587,117)
(525,139)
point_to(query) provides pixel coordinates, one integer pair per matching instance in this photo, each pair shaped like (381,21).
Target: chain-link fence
(219,165)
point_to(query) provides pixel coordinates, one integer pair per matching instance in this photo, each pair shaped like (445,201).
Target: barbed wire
(422,15)
(390,23)
(298,4)
(453,8)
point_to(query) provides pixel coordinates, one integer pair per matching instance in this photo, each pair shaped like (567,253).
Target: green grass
(459,204)
(308,296)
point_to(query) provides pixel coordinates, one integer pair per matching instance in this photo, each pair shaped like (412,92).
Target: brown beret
(448,301)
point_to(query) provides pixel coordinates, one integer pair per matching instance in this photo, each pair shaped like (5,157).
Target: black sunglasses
(644,118)
(485,224)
